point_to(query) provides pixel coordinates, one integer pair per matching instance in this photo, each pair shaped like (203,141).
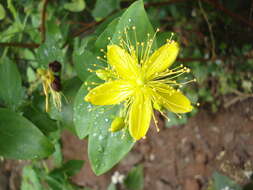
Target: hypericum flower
(141,81)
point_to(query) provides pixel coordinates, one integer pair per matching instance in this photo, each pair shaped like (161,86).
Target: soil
(177,158)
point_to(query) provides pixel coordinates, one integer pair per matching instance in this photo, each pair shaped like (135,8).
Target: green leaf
(31,75)
(175,120)
(162,37)
(82,44)
(12,9)
(25,141)
(221,182)
(58,183)
(65,116)
(200,72)
(83,62)
(2,12)
(102,41)
(54,31)
(104,8)
(75,5)
(105,149)
(40,119)
(84,117)
(57,155)
(30,179)
(134,179)
(10,84)
(69,168)
(49,52)
(107,21)
(136,16)
(112,187)
(247,85)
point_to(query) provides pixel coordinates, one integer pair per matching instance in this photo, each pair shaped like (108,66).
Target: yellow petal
(140,116)
(171,99)
(161,59)
(125,65)
(109,93)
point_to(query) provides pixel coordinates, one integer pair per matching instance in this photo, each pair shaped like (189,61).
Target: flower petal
(161,59)
(125,65)
(140,116)
(171,99)
(109,93)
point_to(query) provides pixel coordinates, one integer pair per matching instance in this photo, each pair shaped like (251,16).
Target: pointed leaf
(84,117)
(10,84)
(224,182)
(134,179)
(2,12)
(20,139)
(83,62)
(135,16)
(104,8)
(40,119)
(75,5)
(105,148)
(65,115)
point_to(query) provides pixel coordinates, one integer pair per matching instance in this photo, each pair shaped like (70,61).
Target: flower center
(140,82)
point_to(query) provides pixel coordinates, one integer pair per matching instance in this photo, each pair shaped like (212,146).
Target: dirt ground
(176,158)
(183,157)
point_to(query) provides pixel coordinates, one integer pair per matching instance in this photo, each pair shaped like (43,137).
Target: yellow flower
(142,81)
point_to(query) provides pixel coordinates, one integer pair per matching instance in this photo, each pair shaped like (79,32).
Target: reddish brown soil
(183,157)
(177,158)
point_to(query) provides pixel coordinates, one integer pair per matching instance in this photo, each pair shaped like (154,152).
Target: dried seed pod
(56,84)
(55,66)
(57,77)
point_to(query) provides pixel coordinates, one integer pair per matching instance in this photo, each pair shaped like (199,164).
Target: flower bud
(117,124)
